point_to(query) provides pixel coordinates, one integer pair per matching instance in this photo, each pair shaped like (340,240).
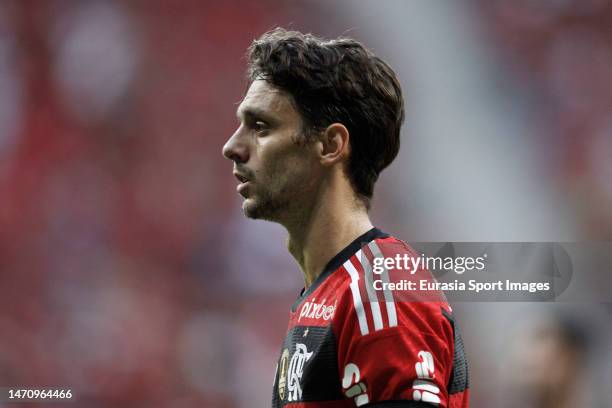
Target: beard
(266,205)
(285,200)
(281,194)
(265,208)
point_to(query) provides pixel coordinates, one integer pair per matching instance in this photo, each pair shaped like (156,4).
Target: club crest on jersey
(282,374)
(312,310)
(296,370)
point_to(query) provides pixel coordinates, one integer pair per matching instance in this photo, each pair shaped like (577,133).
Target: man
(319,122)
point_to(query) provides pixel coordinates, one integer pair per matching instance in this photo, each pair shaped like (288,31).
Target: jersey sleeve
(404,362)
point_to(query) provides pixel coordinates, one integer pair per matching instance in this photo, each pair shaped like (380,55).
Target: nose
(236,149)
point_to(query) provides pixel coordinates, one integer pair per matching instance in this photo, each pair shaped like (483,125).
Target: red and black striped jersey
(351,343)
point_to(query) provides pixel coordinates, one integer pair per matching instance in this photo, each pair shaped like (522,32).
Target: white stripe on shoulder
(374,305)
(361,317)
(389,302)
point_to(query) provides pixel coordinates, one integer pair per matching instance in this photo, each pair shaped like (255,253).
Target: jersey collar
(340,258)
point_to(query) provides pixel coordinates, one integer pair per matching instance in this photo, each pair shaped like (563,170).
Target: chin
(251,209)
(258,210)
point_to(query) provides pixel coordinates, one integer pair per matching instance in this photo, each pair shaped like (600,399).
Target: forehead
(264,98)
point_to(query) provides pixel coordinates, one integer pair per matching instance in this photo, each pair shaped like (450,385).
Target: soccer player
(319,122)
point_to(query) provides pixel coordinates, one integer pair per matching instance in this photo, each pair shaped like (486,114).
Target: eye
(260,126)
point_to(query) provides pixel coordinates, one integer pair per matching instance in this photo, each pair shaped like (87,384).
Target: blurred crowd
(127,272)
(561,52)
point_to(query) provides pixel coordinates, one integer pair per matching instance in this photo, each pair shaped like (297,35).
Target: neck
(325,230)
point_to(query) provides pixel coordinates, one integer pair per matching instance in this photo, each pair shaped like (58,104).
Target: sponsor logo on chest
(313,310)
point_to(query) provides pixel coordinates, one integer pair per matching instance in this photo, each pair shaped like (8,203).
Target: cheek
(294,171)
(302,177)
(284,165)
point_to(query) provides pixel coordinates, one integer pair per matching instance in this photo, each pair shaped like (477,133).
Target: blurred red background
(127,272)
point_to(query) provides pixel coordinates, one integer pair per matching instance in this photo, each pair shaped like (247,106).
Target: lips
(244,181)
(241,178)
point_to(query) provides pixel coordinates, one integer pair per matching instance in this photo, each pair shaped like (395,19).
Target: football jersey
(353,343)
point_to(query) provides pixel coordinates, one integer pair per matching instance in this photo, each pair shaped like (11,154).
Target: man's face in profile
(277,174)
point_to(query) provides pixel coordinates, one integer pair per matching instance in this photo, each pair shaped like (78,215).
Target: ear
(334,144)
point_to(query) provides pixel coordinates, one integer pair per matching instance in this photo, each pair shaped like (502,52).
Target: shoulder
(377,289)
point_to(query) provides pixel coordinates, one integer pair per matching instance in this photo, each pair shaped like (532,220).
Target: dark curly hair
(337,81)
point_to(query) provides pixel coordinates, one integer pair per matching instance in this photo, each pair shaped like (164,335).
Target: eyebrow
(253,112)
